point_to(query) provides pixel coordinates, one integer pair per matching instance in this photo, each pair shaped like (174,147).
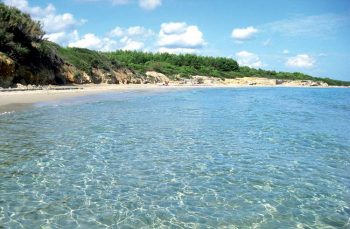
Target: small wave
(6,113)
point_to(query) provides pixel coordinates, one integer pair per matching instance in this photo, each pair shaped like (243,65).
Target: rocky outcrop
(156,77)
(25,75)
(207,80)
(74,76)
(204,80)
(7,70)
(123,76)
(251,81)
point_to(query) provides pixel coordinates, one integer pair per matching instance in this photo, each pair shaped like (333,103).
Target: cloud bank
(243,34)
(301,61)
(245,58)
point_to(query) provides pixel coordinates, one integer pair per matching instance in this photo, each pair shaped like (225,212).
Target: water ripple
(227,158)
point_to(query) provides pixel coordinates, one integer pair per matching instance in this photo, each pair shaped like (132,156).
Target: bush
(18,32)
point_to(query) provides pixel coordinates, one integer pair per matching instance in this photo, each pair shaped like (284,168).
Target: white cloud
(314,26)
(114,2)
(245,58)
(180,36)
(134,31)
(301,61)
(20,4)
(62,28)
(149,4)
(55,23)
(62,37)
(174,28)
(56,26)
(108,45)
(144,4)
(285,51)
(129,44)
(132,38)
(117,32)
(23,5)
(242,34)
(88,41)
(91,41)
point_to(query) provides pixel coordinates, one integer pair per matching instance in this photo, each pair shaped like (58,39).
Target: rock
(7,70)
(323,84)
(156,77)
(81,78)
(96,76)
(20,86)
(126,76)
(279,82)
(251,81)
(72,75)
(60,78)
(25,74)
(206,80)
(44,76)
(103,76)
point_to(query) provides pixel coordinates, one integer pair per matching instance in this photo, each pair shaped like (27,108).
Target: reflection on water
(261,157)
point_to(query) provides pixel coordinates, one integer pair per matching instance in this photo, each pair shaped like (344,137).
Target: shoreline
(14,100)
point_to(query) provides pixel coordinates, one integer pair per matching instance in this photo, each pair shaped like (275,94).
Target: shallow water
(244,157)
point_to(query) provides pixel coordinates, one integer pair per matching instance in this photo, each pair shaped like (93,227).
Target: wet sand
(17,100)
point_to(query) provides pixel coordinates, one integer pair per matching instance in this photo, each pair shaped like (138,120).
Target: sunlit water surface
(209,158)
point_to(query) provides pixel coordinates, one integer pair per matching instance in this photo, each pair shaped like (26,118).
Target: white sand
(28,97)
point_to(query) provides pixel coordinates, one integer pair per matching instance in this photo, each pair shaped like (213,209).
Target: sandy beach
(33,96)
(16,100)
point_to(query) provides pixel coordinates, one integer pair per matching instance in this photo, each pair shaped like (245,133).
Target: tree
(19,34)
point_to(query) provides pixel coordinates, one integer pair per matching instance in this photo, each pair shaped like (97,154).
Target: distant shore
(16,99)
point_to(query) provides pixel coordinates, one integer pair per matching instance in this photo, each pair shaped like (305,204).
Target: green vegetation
(21,39)
(170,64)
(18,33)
(188,64)
(85,59)
(40,61)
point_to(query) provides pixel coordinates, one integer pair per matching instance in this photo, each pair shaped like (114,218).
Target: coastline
(14,100)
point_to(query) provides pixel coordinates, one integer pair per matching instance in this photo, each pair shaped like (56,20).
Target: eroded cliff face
(12,75)
(115,76)
(7,70)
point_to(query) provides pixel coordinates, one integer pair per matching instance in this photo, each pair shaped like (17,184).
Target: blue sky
(301,35)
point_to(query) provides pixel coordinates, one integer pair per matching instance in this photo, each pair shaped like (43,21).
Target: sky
(309,36)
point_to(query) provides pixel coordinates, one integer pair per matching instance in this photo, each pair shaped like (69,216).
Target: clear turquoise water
(209,158)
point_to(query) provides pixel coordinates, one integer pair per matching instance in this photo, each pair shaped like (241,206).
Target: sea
(179,158)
